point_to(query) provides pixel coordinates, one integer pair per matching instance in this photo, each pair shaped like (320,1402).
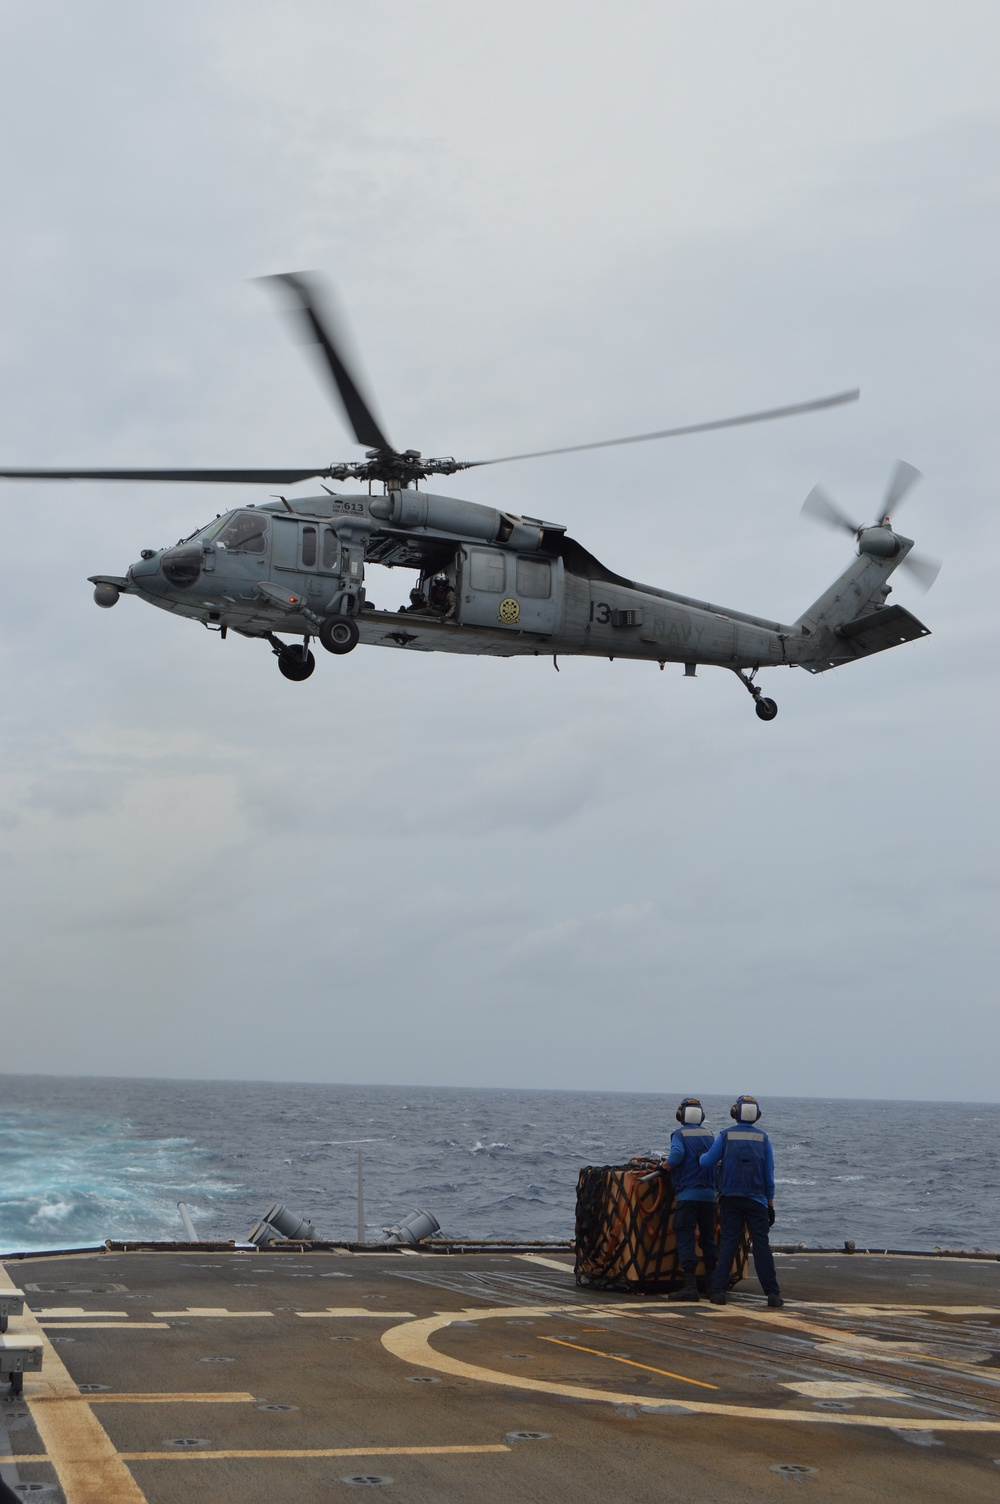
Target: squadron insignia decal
(510,612)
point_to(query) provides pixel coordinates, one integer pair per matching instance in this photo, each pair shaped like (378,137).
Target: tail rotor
(877,538)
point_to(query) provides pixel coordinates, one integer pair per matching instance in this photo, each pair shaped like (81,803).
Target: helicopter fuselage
(488,583)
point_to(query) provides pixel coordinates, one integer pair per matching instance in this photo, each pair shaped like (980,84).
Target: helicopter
(488,581)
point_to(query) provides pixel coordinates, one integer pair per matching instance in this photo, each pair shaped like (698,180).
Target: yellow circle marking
(510,611)
(411,1342)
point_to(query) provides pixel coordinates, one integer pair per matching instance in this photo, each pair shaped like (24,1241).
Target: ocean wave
(81,1161)
(74,1179)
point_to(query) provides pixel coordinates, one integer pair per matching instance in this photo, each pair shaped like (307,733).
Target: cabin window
(331,549)
(245,534)
(486,571)
(534,579)
(309,547)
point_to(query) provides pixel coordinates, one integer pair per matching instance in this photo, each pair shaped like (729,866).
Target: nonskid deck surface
(298,1376)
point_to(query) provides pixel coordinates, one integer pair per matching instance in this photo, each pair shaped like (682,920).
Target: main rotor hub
(396,471)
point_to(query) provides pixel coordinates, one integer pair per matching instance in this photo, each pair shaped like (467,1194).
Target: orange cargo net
(625,1230)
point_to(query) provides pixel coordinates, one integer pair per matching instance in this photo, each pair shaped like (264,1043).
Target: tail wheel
(296,662)
(339,634)
(766,709)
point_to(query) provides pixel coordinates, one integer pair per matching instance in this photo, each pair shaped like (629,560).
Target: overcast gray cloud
(549,222)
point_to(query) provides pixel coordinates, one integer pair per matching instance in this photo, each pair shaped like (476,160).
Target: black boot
(690,1290)
(705,1285)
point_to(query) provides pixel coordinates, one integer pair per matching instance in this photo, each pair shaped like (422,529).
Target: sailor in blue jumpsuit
(746,1197)
(694,1191)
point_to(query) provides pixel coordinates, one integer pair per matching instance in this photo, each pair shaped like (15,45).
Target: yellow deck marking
(856,1344)
(848,1389)
(334,1311)
(88,1467)
(108,1326)
(209,1456)
(615,1358)
(210,1311)
(897,1310)
(228,1397)
(75,1311)
(655,1315)
(411,1343)
(539,1258)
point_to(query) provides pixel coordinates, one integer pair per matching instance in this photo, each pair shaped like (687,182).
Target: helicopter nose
(146,574)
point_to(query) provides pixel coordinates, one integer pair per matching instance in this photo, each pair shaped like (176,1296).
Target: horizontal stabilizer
(872,633)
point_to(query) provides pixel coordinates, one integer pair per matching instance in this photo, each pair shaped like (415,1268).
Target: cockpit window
(207,534)
(246,533)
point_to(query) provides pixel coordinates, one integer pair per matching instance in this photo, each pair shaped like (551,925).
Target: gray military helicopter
(488,582)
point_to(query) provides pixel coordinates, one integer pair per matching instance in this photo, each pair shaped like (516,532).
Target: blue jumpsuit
(694,1189)
(746,1187)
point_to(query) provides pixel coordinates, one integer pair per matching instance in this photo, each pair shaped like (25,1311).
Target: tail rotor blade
(320,330)
(924,569)
(904,478)
(822,508)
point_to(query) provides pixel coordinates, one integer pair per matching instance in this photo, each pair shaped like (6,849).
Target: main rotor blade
(820,506)
(241,477)
(673,433)
(904,478)
(924,569)
(319,328)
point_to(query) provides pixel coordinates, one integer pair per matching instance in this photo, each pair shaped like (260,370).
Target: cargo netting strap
(625,1232)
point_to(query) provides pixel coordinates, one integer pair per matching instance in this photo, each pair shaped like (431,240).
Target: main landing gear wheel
(339,634)
(296,662)
(766,709)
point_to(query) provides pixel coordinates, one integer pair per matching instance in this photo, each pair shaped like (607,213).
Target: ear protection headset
(690,1112)
(745,1110)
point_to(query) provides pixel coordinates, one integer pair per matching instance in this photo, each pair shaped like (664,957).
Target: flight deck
(259,1377)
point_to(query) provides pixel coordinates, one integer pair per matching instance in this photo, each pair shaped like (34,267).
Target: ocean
(84,1159)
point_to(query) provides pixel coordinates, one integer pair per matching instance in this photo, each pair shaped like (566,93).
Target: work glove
(770,1216)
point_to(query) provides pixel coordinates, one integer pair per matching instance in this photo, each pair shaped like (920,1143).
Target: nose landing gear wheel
(339,634)
(296,662)
(766,709)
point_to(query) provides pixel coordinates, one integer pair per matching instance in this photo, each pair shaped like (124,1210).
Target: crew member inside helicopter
(246,533)
(441,597)
(418,601)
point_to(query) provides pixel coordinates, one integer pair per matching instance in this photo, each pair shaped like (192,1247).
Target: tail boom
(851,620)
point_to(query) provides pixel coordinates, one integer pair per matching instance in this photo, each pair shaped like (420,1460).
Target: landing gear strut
(294,660)
(766,709)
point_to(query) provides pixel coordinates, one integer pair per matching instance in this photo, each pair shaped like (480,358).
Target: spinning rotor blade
(923,568)
(673,433)
(904,478)
(818,505)
(241,477)
(320,331)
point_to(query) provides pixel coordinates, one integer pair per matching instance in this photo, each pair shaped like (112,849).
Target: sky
(547,223)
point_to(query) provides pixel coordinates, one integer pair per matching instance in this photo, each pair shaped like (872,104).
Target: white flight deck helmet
(745,1110)
(690,1113)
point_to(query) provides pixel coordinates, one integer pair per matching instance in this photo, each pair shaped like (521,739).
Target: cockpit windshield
(245,533)
(212,531)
